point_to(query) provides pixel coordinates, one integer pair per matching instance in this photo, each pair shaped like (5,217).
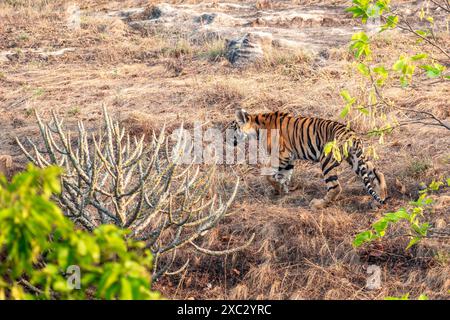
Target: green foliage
(382,75)
(333,147)
(406,297)
(38,245)
(434,71)
(402,69)
(414,216)
(360,45)
(338,149)
(366,9)
(406,69)
(349,100)
(391,23)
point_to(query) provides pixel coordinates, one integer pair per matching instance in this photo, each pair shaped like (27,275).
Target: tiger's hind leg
(329,169)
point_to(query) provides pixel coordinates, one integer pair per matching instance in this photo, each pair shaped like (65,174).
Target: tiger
(304,138)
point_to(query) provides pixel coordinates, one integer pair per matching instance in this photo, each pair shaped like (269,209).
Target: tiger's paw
(281,190)
(317,204)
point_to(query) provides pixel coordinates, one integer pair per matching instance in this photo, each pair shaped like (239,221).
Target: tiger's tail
(363,169)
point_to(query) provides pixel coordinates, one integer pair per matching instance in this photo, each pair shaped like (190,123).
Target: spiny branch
(111,177)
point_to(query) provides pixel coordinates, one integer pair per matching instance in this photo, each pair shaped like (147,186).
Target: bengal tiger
(302,138)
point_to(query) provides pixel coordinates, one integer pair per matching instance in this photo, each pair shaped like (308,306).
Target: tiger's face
(237,135)
(243,127)
(377,181)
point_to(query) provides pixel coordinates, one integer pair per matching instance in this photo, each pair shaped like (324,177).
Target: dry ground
(147,78)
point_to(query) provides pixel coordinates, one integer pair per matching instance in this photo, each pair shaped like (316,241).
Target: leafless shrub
(111,177)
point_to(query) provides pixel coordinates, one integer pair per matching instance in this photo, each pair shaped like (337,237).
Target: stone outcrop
(245,50)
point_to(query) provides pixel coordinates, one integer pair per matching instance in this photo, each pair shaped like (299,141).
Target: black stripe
(332,187)
(308,140)
(289,167)
(304,155)
(286,167)
(327,160)
(330,179)
(295,133)
(334,165)
(281,118)
(289,136)
(319,135)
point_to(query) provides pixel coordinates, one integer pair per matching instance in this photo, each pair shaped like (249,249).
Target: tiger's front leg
(281,180)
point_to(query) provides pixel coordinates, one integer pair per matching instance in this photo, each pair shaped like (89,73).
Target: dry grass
(147,79)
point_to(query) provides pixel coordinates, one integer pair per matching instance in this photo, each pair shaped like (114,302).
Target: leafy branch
(38,245)
(417,228)
(404,67)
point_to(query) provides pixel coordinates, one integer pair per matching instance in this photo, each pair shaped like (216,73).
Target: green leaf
(363,110)
(412,242)
(382,73)
(337,154)
(346,95)
(381,70)
(362,238)
(423,33)
(404,297)
(399,64)
(380,226)
(357,11)
(419,56)
(391,23)
(363,69)
(435,185)
(125,289)
(433,71)
(328,147)
(398,215)
(360,45)
(373,11)
(345,111)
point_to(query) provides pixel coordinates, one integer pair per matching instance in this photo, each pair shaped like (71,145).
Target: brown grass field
(150,77)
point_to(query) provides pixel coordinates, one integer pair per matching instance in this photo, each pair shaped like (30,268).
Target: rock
(163,11)
(324,54)
(205,36)
(246,50)
(154,13)
(206,18)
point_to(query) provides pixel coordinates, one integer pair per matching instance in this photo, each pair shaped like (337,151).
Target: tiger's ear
(242,116)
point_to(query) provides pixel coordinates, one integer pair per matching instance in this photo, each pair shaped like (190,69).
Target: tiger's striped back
(302,136)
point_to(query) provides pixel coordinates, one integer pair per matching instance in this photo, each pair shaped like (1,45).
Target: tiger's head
(377,181)
(243,127)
